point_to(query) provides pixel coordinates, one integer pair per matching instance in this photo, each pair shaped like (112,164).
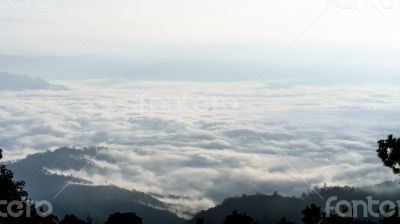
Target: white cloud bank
(208,141)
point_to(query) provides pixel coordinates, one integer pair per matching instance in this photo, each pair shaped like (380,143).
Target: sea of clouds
(208,141)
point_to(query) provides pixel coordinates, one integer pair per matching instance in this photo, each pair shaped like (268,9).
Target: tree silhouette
(395,218)
(389,152)
(238,218)
(284,221)
(124,218)
(199,221)
(312,215)
(72,219)
(9,189)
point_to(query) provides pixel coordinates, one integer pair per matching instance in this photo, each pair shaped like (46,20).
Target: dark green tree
(72,219)
(284,221)
(389,152)
(124,218)
(239,218)
(312,215)
(395,218)
(199,221)
(9,188)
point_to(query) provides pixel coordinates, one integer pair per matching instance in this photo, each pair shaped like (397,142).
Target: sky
(338,40)
(123,26)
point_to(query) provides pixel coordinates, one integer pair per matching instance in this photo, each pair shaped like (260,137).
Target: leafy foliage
(312,215)
(284,221)
(389,152)
(72,219)
(239,218)
(9,189)
(124,218)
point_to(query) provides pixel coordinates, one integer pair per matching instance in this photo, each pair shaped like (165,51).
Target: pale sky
(31,27)
(354,34)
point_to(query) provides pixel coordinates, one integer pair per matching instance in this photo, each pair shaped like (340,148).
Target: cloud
(208,141)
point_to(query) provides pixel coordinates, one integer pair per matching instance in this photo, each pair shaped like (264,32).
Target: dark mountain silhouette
(275,205)
(99,201)
(272,208)
(81,198)
(263,208)
(33,169)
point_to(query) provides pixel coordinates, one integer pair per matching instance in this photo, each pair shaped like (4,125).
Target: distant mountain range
(82,198)
(53,67)
(10,81)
